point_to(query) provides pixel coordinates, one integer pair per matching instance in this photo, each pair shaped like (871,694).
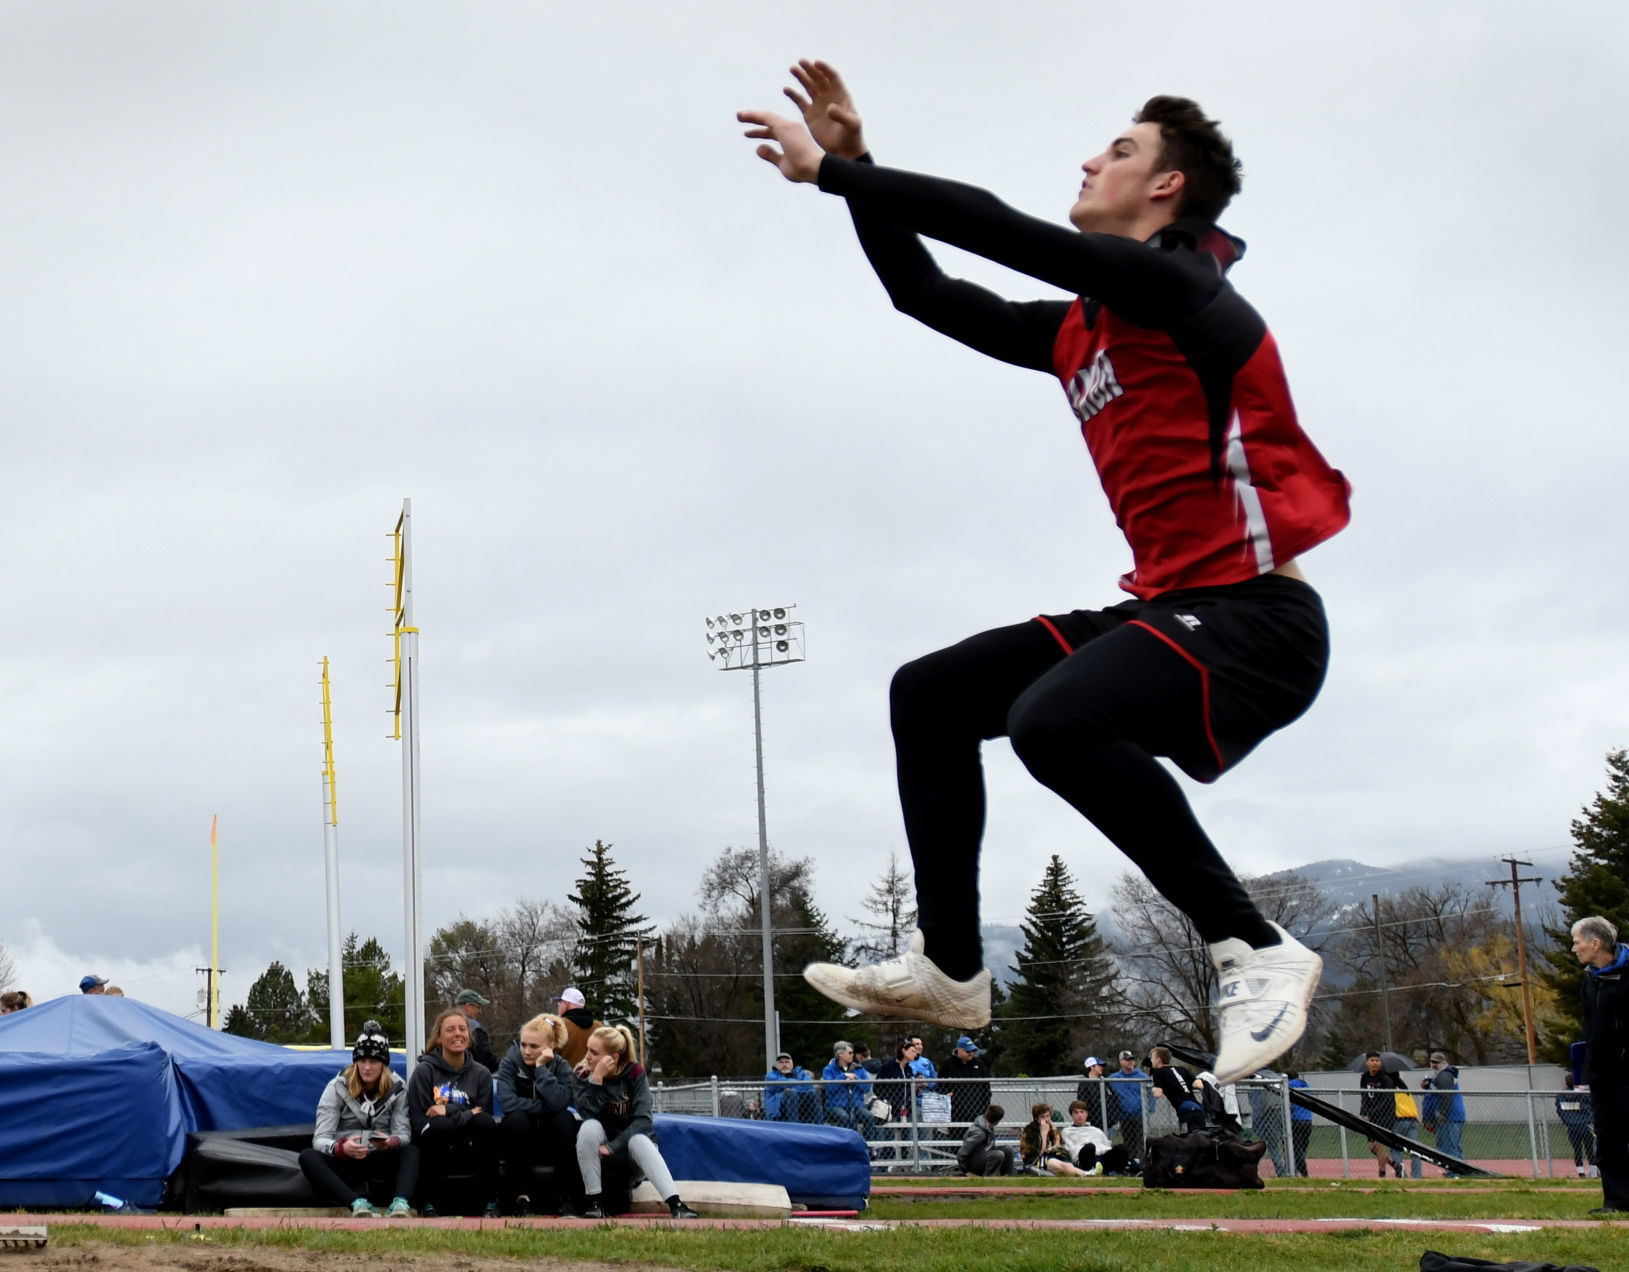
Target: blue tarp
(153,1078)
(824,1167)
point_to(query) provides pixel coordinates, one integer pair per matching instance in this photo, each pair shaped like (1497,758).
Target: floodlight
(736,619)
(780,629)
(781,647)
(779,612)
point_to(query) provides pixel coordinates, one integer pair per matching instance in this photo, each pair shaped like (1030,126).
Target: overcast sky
(271,267)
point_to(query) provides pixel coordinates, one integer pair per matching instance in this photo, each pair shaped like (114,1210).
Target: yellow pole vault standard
(214,1002)
(330,845)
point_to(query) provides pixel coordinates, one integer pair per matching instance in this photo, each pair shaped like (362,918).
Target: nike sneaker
(1262,998)
(910,986)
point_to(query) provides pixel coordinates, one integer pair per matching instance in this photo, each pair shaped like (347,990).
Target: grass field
(924,1247)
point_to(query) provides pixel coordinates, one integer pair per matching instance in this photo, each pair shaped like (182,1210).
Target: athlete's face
(1121,186)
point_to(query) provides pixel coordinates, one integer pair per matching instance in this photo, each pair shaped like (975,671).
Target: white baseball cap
(571,994)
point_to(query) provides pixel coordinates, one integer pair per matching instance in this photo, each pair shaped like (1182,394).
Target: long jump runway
(200,1223)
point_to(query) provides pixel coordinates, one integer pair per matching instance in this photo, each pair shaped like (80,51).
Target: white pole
(771,1032)
(412,852)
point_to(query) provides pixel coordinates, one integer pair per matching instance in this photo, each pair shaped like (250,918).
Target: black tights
(1088,725)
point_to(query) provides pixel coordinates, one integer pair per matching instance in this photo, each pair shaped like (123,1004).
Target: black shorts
(1260,648)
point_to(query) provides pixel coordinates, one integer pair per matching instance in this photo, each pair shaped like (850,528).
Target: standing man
(1131,1089)
(480,1046)
(579,1022)
(1606,1052)
(969,1083)
(1103,1108)
(1444,1114)
(1177,388)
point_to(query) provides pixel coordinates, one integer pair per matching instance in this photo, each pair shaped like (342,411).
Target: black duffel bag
(1203,1160)
(1431,1261)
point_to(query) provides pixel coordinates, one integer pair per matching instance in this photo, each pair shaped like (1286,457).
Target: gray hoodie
(340,1114)
(621,1104)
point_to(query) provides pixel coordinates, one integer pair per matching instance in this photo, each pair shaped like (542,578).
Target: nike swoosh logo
(1264,1034)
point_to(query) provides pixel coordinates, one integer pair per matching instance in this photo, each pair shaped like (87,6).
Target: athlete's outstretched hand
(798,157)
(827,109)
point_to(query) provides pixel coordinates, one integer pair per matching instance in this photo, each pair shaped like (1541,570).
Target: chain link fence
(915,1126)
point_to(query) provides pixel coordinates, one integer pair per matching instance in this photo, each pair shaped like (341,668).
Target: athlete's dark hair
(1194,146)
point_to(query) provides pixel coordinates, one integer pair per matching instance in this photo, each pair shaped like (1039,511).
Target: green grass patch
(941,1250)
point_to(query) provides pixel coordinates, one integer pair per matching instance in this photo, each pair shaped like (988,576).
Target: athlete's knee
(921,690)
(1045,733)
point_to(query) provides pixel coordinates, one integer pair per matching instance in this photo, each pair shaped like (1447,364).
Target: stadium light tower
(757,639)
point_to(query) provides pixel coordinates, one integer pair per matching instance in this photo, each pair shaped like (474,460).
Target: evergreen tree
(277,1007)
(892,903)
(372,992)
(1596,882)
(1065,993)
(240,1022)
(608,946)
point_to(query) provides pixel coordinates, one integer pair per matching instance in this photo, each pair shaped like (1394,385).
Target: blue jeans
(798,1106)
(1409,1128)
(1448,1138)
(855,1119)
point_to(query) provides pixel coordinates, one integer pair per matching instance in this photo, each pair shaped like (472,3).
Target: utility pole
(1514,883)
(1380,956)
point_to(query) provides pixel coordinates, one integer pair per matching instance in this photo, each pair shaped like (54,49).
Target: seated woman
(1040,1144)
(534,1092)
(613,1098)
(449,1102)
(362,1132)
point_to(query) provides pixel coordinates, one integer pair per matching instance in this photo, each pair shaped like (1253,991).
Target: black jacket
(1606,1023)
(434,1081)
(480,1045)
(968,1099)
(539,1091)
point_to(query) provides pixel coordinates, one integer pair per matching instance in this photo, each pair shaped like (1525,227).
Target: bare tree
(891,902)
(1165,964)
(8,969)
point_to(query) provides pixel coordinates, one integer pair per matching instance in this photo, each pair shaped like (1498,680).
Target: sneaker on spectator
(362,1208)
(1263,997)
(399,1209)
(911,986)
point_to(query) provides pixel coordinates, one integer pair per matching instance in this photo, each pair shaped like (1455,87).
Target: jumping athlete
(1182,401)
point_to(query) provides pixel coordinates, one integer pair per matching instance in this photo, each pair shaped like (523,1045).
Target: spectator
(1176,1084)
(1093,1092)
(579,1022)
(1267,1120)
(1380,1107)
(848,1092)
(480,1046)
(1220,1103)
(1089,1146)
(613,1097)
(789,1094)
(970,1090)
(1606,1052)
(892,1088)
(979,1153)
(922,1068)
(1300,1125)
(113,991)
(866,1061)
(1444,1114)
(1408,1126)
(1130,1090)
(1572,1106)
(362,1115)
(1040,1144)
(449,1101)
(92,984)
(535,1091)
(14,1000)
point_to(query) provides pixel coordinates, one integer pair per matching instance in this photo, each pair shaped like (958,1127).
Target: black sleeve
(1021,333)
(1145,286)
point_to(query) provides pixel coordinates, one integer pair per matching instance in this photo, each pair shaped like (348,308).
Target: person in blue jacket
(1131,1089)
(789,1094)
(1577,1114)
(1300,1124)
(848,1092)
(1444,1111)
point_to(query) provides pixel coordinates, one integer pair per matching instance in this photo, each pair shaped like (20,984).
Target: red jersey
(1174,377)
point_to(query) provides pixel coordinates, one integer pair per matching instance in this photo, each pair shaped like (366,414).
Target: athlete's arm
(1022,334)
(1150,288)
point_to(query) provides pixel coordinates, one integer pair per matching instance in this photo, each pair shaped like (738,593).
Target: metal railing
(1544,1134)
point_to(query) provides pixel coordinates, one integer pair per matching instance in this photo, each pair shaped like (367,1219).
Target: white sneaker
(910,986)
(1263,998)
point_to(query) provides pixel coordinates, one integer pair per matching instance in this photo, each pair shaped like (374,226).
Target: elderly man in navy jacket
(1606,1052)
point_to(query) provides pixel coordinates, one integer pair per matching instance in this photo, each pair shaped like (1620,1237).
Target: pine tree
(1596,882)
(372,992)
(892,902)
(277,1007)
(1065,993)
(608,946)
